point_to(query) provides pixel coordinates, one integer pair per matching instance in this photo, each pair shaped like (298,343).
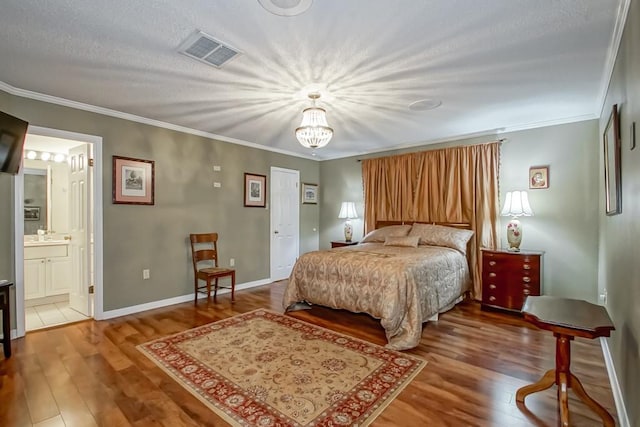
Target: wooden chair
(207,252)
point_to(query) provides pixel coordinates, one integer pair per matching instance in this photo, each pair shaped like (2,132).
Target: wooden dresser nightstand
(509,277)
(341,243)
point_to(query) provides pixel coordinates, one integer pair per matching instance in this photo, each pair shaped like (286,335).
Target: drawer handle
(492,263)
(492,274)
(526,291)
(492,298)
(526,279)
(492,286)
(526,266)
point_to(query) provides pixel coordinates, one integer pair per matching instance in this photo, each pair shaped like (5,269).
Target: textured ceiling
(496,65)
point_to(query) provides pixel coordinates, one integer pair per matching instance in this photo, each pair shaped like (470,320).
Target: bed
(402,274)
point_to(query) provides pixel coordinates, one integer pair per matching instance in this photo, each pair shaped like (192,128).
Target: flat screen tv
(12,134)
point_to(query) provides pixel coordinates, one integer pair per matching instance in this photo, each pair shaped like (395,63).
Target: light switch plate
(216,168)
(217,185)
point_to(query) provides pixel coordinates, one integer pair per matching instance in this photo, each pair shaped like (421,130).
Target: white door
(285,221)
(79,225)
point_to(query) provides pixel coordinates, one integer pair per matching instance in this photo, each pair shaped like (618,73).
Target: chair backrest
(206,250)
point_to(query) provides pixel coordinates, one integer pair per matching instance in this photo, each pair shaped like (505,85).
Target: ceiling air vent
(206,49)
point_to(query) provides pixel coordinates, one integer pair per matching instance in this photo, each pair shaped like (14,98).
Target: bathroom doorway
(60,233)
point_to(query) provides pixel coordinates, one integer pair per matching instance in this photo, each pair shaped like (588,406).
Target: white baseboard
(171,301)
(621,409)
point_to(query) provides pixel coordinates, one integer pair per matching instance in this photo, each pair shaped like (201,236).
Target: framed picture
(538,177)
(310,193)
(255,190)
(32,213)
(611,142)
(133,181)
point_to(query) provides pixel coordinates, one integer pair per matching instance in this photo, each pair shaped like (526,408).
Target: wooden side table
(6,317)
(566,318)
(341,243)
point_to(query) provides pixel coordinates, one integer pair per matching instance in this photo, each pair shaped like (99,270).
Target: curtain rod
(496,140)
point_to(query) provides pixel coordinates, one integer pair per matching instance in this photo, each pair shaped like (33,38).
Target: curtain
(457,184)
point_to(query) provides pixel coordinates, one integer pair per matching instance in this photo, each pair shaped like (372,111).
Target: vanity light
(31,155)
(45,156)
(58,158)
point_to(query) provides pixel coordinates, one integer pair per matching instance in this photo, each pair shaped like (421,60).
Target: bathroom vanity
(47,268)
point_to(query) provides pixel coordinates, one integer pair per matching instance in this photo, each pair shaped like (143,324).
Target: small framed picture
(255,190)
(133,181)
(538,177)
(32,213)
(310,193)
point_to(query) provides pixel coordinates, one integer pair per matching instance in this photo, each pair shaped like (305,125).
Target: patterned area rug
(265,369)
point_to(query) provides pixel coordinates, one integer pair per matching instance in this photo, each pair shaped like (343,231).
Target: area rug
(265,369)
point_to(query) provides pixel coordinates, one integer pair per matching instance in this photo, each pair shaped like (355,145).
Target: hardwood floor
(90,373)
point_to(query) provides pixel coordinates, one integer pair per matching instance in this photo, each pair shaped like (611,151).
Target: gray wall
(619,235)
(565,224)
(156,237)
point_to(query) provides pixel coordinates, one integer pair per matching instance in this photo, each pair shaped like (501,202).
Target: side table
(6,317)
(341,243)
(567,319)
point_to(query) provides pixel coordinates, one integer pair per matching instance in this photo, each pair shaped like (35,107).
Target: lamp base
(514,235)
(348,231)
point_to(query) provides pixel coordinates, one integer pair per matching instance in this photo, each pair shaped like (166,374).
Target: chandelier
(314,131)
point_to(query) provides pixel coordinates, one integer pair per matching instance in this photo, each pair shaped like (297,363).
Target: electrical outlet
(146,274)
(217,185)
(216,168)
(232,262)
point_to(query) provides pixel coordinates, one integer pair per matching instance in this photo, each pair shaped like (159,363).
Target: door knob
(276,232)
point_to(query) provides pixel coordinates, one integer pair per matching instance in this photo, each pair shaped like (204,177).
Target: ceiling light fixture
(314,131)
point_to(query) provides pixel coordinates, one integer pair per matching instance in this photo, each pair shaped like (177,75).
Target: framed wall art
(611,142)
(32,213)
(538,177)
(255,190)
(310,193)
(133,181)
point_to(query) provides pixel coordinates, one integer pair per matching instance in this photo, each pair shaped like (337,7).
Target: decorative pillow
(380,235)
(440,235)
(407,241)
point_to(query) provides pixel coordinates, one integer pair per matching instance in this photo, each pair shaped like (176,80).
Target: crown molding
(138,119)
(488,133)
(612,54)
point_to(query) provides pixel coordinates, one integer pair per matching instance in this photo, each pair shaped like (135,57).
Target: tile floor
(43,316)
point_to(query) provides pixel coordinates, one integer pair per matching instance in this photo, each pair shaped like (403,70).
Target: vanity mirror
(46,200)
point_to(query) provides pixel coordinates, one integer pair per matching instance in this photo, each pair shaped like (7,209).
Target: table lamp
(516,204)
(348,212)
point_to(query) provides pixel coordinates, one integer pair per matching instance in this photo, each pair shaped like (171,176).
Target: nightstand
(509,277)
(341,243)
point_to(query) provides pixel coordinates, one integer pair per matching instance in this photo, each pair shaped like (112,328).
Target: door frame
(96,190)
(271,219)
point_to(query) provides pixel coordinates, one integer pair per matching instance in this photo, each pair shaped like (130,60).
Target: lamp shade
(348,210)
(516,204)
